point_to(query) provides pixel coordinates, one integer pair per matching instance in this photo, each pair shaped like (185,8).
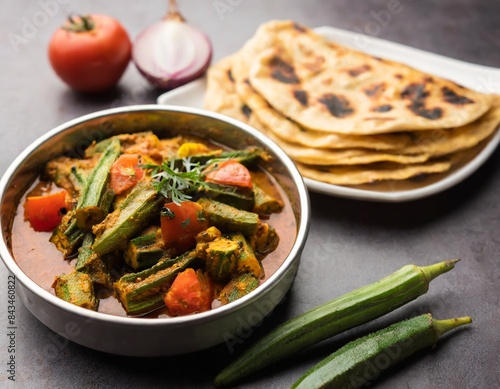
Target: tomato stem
(83,23)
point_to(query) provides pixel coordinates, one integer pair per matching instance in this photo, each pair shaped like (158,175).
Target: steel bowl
(159,336)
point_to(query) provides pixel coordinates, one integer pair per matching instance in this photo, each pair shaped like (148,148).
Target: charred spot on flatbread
(246,110)
(417,95)
(375,89)
(337,105)
(355,72)
(419,109)
(450,96)
(299,27)
(414,92)
(282,71)
(301,96)
(382,108)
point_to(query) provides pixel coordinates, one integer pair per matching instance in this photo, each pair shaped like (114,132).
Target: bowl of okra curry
(152,230)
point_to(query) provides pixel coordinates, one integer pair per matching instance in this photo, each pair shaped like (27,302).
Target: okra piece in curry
(138,219)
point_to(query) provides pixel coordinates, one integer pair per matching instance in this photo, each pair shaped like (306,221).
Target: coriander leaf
(177,183)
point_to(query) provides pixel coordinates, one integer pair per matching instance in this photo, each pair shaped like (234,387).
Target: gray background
(351,243)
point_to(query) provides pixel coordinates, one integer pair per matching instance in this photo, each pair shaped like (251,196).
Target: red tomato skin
(44,212)
(191,292)
(231,172)
(125,173)
(91,61)
(177,231)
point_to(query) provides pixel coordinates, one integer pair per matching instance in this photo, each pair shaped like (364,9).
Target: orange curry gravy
(42,262)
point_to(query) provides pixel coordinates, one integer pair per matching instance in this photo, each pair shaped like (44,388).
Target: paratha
(288,130)
(365,174)
(446,141)
(249,106)
(397,149)
(220,80)
(326,157)
(324,86)
(219,95)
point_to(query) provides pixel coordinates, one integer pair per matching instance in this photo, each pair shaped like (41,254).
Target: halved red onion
(171,53)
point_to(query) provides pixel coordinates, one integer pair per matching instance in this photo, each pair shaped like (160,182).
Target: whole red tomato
(90,53)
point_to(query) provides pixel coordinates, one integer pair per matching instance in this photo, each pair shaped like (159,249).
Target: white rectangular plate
(481,78)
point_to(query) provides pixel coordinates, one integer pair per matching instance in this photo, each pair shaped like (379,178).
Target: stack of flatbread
(345,117)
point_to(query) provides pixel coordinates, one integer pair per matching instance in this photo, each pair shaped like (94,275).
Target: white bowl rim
(302,227)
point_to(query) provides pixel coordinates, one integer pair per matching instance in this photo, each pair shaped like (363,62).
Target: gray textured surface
(351,243)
